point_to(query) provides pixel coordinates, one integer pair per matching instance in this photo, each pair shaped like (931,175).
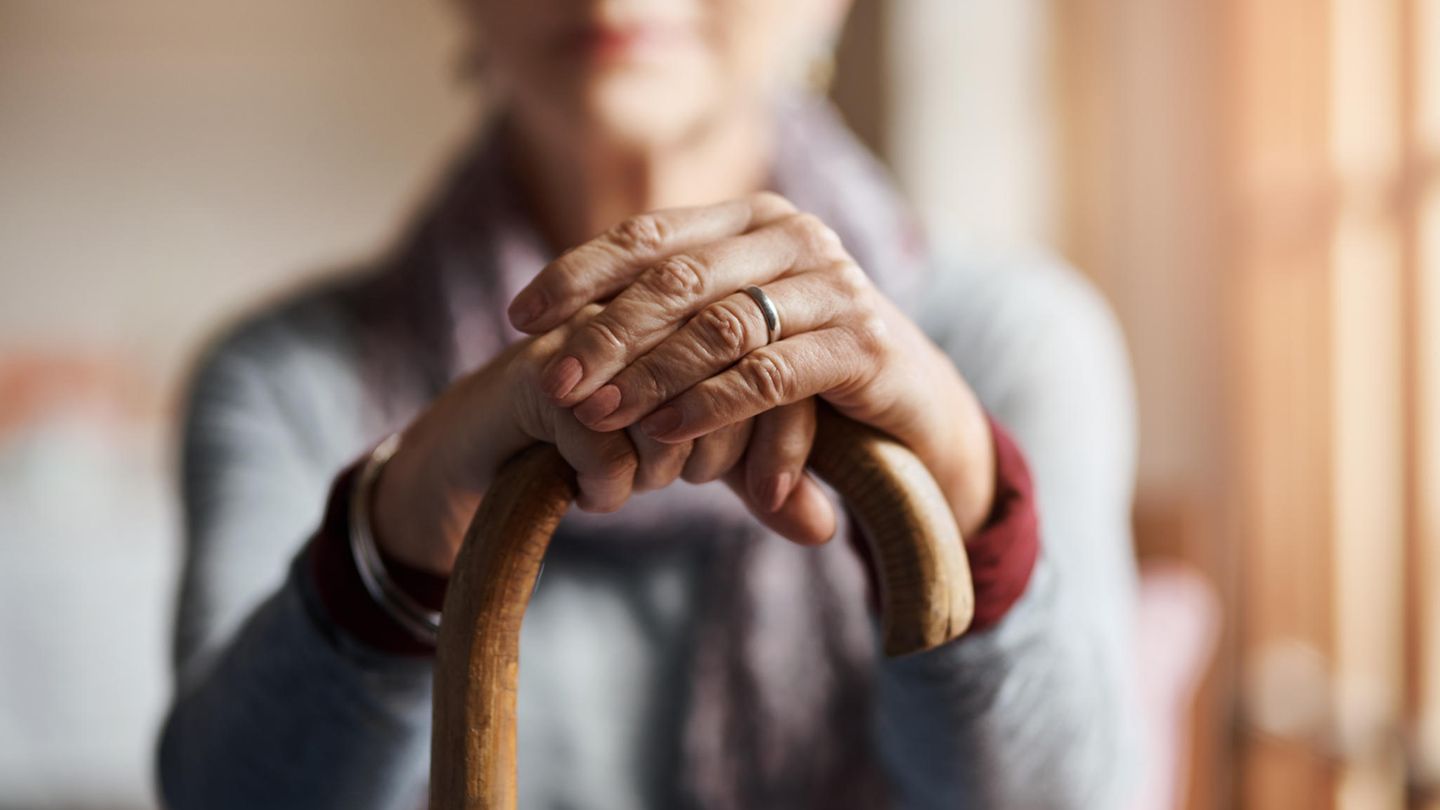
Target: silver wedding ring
(767,307)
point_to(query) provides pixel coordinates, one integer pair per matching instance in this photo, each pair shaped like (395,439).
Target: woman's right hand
(429,491)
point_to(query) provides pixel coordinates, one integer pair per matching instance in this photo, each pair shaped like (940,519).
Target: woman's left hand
(681,349)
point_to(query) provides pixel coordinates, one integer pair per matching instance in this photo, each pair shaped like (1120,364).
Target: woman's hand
(681,351)
(772,443)
(430,490)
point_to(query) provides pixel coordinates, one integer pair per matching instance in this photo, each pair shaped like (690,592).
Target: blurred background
(1255,186)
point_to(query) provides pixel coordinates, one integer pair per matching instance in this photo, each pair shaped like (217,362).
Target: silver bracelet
(420,621)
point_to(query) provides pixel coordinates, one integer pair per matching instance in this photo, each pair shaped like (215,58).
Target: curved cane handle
(925,591)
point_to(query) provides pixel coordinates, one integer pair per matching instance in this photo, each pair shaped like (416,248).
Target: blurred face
(644,72)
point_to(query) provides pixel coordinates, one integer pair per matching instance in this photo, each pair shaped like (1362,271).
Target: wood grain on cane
(926,595)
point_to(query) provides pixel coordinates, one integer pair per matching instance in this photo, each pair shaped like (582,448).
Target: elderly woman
(677,653)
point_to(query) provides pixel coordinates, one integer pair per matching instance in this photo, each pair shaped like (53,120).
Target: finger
(544,346)
(659,464)
(714,340)
(665,295)
(807,517)
(715,454)
(604,463)
(775,457)
(604,265)
(810,364)
(536,413)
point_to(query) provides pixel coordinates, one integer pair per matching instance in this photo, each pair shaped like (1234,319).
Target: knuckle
(617,463)
(562,283)
(768,374)
(604,332)
(646,378)
(818,237)
(663,466)
(704,464)
(640,233)
(806,222)
(770,203)
(871,332)
(851,280)
(588,312)
(723,329)
(677,277)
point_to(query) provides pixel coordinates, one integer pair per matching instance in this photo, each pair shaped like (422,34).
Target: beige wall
(971,129)
(163,160)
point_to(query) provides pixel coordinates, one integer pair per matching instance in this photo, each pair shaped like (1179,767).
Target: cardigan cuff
(347,603)
(1003,553)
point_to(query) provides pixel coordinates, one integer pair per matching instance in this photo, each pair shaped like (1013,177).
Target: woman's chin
(644,111)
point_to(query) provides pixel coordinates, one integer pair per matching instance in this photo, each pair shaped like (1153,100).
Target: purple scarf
(779,693)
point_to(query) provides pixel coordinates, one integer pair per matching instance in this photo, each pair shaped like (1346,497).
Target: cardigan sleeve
(275,706)
(1039,710)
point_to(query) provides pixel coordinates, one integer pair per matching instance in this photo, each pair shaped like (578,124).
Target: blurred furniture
(86,580)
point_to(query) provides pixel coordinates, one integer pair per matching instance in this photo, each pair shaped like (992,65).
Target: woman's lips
(625,42)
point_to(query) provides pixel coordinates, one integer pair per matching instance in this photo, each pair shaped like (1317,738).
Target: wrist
(429,491)
(343,598)
(421,621)
(951,435)
(405,508)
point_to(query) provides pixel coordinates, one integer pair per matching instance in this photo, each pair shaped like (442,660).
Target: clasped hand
(649,363)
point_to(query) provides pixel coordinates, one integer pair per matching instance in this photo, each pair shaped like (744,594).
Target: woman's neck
(577,190)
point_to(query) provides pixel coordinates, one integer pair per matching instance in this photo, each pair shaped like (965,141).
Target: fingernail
(663,421)
(776,490)
(525,310)
(601,404)
(561,377)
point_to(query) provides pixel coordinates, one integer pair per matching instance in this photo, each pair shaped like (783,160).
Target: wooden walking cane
(925,591)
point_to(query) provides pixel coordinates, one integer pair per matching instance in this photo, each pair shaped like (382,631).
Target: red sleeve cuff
(342,592)
(1002,553)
